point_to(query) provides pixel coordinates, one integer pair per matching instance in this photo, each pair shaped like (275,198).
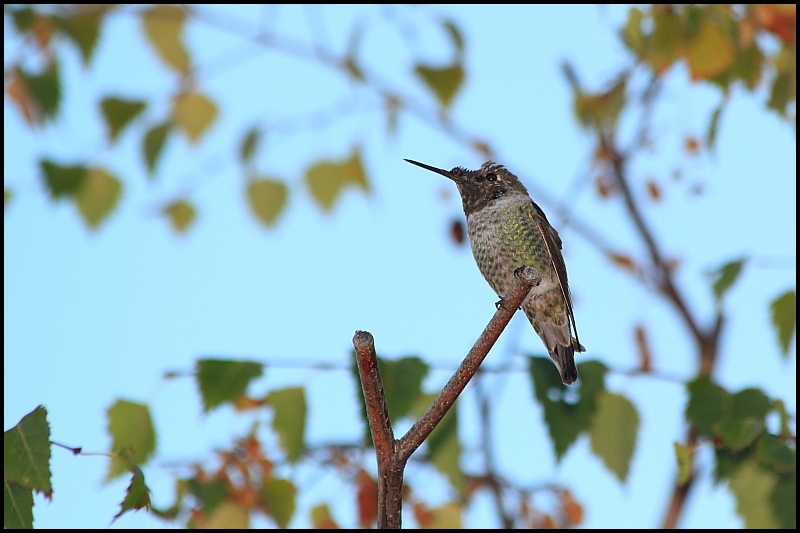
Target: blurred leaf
(728,461)
(710,52)
(210,494)
(8,195)
(568,411)
(181,214)
(132,436)
(402,381)
(17,506)
(784,500)
(26,455)
(267,199)
(738,434)
(249,144)
(194,114)
(23,18)
(137,496)
(163,25)
(653,190)
(98,196)
(83,29)
(632,34)
(601,110)
(353,45)
(725,277)
(707,406)
(443,444)
(44,90)
(278,497)
(747,67)
(18,93)
(455,37)
(713,126)
(443,82)
(154,143)
(327,179)
(63,181)
(289,420)
(573,511)
(665,43)
(752,488)
(784,318)
(229,515)
(643,349)
(684,457)
(367,499)
(448,516)
(774,452)
(321,517)
(784,87)
(119,113)
(613,432)
(221,381)
(749,403)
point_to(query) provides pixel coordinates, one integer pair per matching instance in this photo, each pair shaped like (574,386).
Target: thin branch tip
(363,339)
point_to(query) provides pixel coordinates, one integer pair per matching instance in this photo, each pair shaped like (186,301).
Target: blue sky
(90,317)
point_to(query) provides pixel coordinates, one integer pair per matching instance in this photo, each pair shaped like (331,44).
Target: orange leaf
(424,516)
(43,28)
(624,261)
(18,92)
(604,186)
(457,232)
(645,356)
(546,522)
(653,190)
(572,509)
(691,145)
(244,402)
(367,499)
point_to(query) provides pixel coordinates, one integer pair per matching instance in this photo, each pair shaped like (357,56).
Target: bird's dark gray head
(480,187)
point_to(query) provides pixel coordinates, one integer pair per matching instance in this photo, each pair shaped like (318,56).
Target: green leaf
(402,381)
(448,516)
(210,493)
(44,89)
(267,199)
(725,277)
(784,500)
(278,497)
(684,457)
(63,181)
(23,18)
(774,451)
(321,517)
(133,438)
(154,143)
(83,29)
(455,37)
(26,457)
(249,144)
(749,403)
(181,214)
(568,411)
(289,420)
(710,52)
(632,34)
(443,82)
(327,179)
(665,44)
(443,444)
(98,196)
(17,506)
(713,126)
(138,494)
(707,406)
(119,113)
(223,381)
(752,487)
(784,318)
(784,87)
(738,434)
(613,432)
(193,113)
(8,195)
(728,461)
(163,25)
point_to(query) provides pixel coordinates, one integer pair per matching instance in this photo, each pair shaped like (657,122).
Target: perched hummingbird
(507,230)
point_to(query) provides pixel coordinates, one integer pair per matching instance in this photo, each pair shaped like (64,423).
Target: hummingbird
(507,230)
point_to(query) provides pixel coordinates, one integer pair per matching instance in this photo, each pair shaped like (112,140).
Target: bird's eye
(491,177)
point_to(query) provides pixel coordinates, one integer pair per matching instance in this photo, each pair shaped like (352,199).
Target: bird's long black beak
(445,173)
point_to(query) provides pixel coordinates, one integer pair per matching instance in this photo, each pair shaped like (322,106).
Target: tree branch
(392,455)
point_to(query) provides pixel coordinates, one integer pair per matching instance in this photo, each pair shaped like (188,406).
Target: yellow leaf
(193,113)
(163,25)
(267,199)
(98,196)
(710,52)
(181,214)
